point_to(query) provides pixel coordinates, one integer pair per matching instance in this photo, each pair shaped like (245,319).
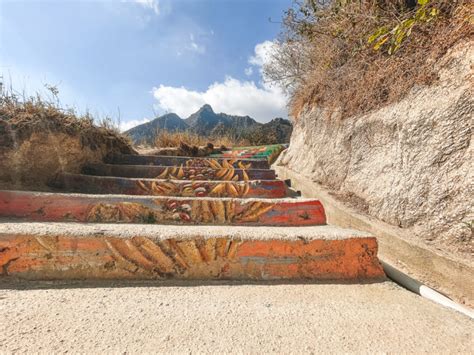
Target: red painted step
(153,209)
(90,184)
(178,173)
(61,251)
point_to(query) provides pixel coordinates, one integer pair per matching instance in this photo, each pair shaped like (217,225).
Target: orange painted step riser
(63,257)
(136,209)
(126,186)
(182,161)
(178,173)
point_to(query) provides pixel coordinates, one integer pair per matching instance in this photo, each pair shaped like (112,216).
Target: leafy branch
(392,39)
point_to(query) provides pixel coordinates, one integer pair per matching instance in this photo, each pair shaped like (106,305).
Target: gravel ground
(217,317)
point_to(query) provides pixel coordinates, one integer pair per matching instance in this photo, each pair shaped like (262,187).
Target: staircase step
(252,152)
(90,184)
(57,207)
(66,251)
(178,173)
(163,160)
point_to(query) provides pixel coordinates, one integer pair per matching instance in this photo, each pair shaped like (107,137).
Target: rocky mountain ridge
(206,122)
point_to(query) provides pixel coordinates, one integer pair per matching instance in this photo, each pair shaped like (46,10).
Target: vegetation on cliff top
(21,116)
(356,56)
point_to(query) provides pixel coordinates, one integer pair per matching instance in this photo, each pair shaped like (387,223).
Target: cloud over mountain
(233,96)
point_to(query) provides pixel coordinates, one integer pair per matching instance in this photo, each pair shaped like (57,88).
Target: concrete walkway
(217,318)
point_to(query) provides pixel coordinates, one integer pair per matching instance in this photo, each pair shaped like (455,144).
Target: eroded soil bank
(33,153)
(409,164)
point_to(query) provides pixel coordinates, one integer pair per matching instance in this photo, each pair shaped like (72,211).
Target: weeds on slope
(21,116)
(356,56)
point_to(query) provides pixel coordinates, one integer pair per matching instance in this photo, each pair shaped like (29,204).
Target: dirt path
(216,318)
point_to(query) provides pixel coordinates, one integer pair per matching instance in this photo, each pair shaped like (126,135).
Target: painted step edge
(177,173)
(165,252)
(254,151)
(165,160)
(58,207)
(91,184)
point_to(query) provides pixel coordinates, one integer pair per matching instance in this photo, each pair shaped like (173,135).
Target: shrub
(167,139)
(356,56)
(26,115)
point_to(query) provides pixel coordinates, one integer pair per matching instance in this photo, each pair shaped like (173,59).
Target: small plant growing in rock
(468,237)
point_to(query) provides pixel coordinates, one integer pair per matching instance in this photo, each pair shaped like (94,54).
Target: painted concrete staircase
(153,217)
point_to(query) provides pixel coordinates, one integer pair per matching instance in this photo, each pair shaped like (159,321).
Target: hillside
(39,139)
(386,126)
(146,132)
(205,122)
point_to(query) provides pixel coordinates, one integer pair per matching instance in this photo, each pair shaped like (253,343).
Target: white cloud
(261,101)
(125,126)
(150,4)
(263,53)
(233,96)
(194,46)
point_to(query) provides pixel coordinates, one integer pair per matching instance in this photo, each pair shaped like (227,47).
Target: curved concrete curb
(422,290)
(452,277)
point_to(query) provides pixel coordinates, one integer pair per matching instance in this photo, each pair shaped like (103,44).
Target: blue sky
(144,57)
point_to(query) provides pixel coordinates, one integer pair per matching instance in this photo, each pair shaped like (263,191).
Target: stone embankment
(408,164)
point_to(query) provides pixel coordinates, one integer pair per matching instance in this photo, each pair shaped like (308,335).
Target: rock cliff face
(409,164)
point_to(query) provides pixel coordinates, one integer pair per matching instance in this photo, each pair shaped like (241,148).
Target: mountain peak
(206,107)
(206,122)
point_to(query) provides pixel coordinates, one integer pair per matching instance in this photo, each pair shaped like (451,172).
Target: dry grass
(167,139)
(337,68)
(20,117)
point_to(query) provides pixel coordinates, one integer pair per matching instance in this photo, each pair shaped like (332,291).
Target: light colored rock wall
(409,164)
